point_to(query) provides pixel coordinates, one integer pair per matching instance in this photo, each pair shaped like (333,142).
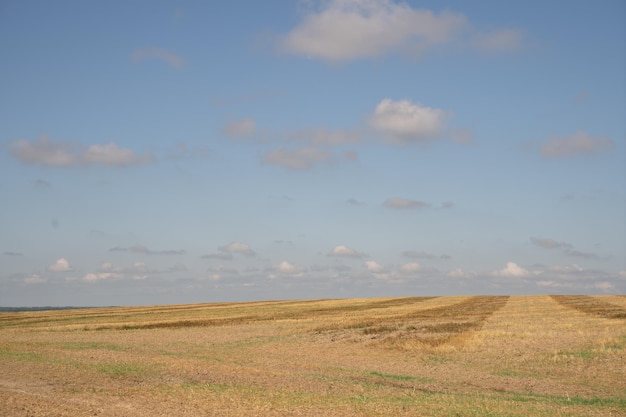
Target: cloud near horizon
(342,251)
(61,265)
(237,247)
(512,270)
(47,152)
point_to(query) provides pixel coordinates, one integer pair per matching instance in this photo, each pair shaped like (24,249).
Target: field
(412,356)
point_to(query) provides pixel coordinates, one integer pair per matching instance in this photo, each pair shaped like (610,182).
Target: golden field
(411,356)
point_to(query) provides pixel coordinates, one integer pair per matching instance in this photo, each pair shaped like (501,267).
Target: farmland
(441,356)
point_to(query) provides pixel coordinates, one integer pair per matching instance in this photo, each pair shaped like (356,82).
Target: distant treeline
(18,309)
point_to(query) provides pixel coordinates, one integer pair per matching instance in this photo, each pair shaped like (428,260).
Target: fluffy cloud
(580,143)
(512,270)
(341,251)
(344,30)
(285,268)
(604,286)
(459,273)
(237,247)
(404,203)
(405,122)
(146,251)
(160,54)
(46,152)
(374,267)
(99,276)
(240,128)
(296,159)
(108,271)
(61,265)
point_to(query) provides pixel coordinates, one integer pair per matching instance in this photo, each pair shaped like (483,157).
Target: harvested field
(592,305)
(439,356)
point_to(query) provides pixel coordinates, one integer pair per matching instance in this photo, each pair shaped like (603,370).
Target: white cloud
(240,128)
(111,154)
(459,273)
(344,30)
(499,40)
(160,54)
(410,268)
(238,247)
(61,265)
(404,203)
(580,143)
(404,121)
(374,267)
(296,159)
(34,279)
(512,270)
(285,268)
(46,152)
(341,251)
(604,286)
(550,283)
(100,276)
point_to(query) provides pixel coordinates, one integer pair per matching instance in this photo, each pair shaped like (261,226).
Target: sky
(161,152)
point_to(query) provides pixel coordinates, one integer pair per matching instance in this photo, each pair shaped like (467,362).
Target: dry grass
(440,356)
(592,305)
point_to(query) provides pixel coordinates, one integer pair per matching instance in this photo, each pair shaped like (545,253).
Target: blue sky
(177,152)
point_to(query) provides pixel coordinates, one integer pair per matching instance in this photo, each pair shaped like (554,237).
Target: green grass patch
(20,355)
(399,377)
